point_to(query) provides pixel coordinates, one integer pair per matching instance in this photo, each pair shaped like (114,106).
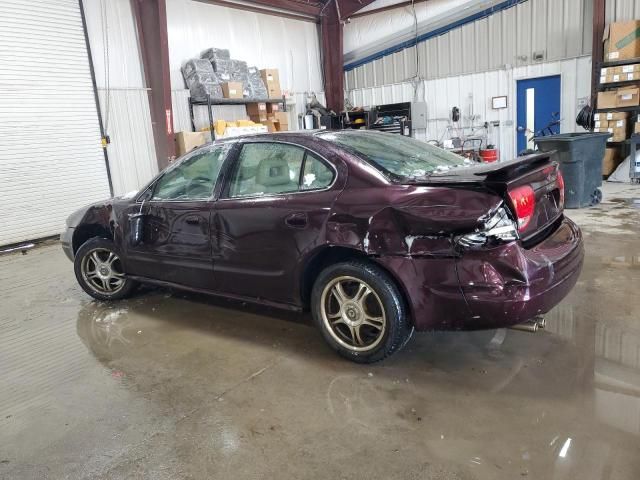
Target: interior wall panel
(472,94)
(556,29)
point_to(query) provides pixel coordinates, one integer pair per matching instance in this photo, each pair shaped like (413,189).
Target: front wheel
(360,311)
(100,272)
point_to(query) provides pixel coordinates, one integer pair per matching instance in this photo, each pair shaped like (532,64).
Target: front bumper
(66,240)
(490,288)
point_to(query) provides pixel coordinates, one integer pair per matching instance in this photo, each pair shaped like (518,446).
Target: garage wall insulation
(266,41)
(51,162)
(472,93)
(524,33)
(124,100)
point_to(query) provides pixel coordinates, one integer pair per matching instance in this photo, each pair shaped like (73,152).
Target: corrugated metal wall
(472,93)
(622,10)
(558,29)
(126,114)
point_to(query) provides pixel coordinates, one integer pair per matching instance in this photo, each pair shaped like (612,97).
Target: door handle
(296,220)
(192,219)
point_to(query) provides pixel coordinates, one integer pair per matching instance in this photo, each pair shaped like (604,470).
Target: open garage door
(51,161)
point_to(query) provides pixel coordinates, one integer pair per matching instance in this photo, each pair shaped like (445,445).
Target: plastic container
(580,156)
(489,155)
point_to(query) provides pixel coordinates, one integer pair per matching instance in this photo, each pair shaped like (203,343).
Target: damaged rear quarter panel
(406,219)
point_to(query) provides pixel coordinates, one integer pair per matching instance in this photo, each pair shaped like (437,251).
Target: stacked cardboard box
(271,79)
(621,97)
(610,161)
(615,123)
(624,73)
(622,41)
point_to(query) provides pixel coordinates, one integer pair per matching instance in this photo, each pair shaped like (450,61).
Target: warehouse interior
(99,98)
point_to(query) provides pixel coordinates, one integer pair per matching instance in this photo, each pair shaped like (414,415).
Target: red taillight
(524,203)
(560,180)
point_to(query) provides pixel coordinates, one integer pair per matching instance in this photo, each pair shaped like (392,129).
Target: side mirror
(136,228)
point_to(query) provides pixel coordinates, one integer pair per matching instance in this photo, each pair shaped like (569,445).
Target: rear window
(395,155)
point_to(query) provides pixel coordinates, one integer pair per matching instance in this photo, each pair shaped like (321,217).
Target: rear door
(176,243)
(271,213)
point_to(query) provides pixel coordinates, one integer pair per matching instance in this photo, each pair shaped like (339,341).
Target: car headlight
(497,227)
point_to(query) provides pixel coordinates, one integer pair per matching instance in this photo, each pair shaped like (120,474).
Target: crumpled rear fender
(411,221)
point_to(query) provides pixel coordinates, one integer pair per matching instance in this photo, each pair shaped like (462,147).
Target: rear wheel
(99,270)
(360,311)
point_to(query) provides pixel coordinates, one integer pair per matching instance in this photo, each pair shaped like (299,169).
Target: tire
(366,329)
(98,269)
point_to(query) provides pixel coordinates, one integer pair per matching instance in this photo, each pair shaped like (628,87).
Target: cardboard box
(610,161)
(628,77)
(258,118)
(636,127)
(618,124)
(271,80)
(232,89)
(622,40)
(257,110)
(272,125)
(187,141)
(634,67)
(627,97)
(601,124)
(611,116)
(282,118)
(607,99)
(273,107)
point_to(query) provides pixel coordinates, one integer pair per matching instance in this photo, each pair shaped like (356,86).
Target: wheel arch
(88,231)
(330,255)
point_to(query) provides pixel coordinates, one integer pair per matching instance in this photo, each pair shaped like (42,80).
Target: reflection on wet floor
(168,385)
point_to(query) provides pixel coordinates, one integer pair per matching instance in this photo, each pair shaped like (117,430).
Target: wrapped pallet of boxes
(255,85)
(622,40)
(271,79)
(201,80)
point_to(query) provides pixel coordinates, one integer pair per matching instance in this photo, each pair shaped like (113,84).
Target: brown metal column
(151,23)
(332,56)
(597,50)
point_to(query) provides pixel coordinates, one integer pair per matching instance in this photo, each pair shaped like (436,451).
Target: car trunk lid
(531,186)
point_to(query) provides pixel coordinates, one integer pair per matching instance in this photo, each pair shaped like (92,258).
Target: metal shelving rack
(209,102)
(629,143)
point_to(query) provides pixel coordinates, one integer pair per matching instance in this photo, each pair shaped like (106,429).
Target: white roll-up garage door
(51,161)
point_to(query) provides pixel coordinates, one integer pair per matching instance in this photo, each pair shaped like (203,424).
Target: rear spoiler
(488,171)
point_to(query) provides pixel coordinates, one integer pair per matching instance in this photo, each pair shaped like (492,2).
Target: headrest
(273,171)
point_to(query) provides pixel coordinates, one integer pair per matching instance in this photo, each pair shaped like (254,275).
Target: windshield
(400,156)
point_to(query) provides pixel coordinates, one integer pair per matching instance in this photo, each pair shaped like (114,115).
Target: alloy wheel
(353,313)
(102,270)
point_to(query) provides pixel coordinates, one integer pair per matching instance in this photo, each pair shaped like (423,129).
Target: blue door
(538,106)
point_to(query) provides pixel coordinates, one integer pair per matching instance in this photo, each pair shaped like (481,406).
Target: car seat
(273,176)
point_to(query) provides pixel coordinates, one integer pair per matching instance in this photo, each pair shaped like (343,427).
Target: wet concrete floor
(174,386)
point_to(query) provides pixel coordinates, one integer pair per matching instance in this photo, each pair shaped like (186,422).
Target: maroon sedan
(377,234)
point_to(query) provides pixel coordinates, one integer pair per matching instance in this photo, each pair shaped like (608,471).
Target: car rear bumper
(492,288)
(510,284)
(66,240)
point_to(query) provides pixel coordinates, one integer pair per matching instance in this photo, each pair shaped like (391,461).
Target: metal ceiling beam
(151,25)
(306,8)
(383,9)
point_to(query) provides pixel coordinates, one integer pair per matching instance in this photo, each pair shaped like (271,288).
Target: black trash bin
(580,156)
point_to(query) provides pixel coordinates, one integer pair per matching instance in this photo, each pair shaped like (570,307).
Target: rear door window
(267,169)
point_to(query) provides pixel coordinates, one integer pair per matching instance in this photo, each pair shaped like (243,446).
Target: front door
(538,106)
(272,213)
(176,244)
